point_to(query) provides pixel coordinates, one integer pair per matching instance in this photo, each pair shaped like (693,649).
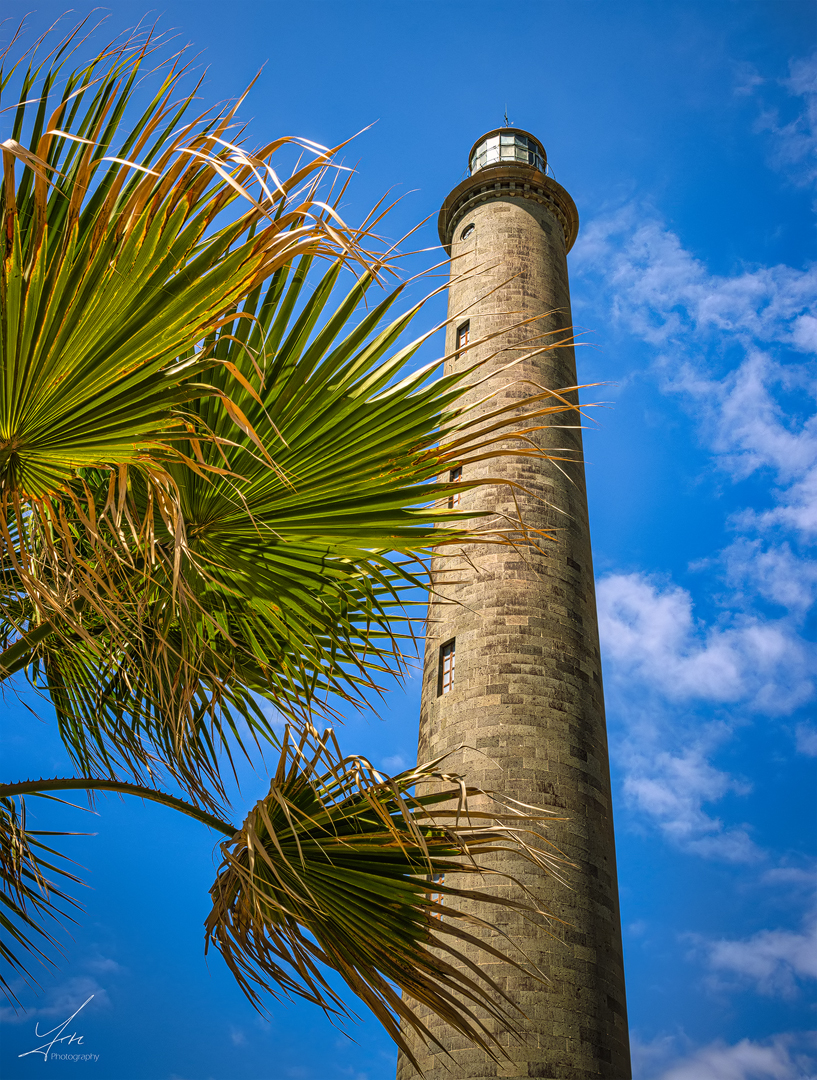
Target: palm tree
(214,494)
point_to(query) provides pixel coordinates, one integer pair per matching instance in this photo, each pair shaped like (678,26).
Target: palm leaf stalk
(218,488)
(337,869)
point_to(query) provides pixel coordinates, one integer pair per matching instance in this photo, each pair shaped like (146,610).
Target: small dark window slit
(463,335)
(445,677)
(454,477)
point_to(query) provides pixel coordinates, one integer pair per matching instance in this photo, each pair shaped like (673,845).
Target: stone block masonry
(527,691)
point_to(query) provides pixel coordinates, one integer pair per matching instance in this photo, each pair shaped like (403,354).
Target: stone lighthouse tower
(512,668)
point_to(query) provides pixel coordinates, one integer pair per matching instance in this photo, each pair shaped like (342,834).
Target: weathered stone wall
(527,697)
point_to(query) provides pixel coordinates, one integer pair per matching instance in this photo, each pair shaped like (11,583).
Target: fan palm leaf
(291,578)
(121,254)
(218,487)
(341,870)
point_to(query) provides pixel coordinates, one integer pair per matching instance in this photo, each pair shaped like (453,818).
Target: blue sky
(686,133)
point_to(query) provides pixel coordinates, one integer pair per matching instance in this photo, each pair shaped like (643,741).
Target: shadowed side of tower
(512,667)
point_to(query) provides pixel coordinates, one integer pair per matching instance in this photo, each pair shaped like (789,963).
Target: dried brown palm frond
(336,869)
(28,895)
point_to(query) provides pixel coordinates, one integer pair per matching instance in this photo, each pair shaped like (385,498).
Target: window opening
(445,678)
(463,334)
(467,231)
(454,477)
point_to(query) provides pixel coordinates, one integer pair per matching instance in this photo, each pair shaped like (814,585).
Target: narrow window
(463,333)
(445,678)
(454,477)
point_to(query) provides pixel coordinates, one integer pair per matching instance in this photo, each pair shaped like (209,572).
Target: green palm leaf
(122,257)
(121,254)
(218,487)
(340,868)
(291,578)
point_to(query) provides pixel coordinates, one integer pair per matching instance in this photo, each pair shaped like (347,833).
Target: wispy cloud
(735,349)
(394,764)
(744,419)
(782,1057)
(737,352)
(660,291)
(674,790)
(659,657)
(806,739)
(773,962)
(61,1001)
(650,635)
(773,571)
(794,143)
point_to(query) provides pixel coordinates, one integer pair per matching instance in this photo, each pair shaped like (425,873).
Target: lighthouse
(512,684)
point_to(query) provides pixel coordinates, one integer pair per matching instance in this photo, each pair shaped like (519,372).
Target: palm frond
(29,897)
(339,868)
(291,579)
(218,487)
(122,253)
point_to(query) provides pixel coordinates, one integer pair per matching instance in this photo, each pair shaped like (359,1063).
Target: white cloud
(746,425)
(735,349)
(772,571)
(746,1060)
(659,660)
(782,1057)
(658,290)
(717,340)
(798,508)
(394,764)
(672,788)
(738,351)
(103,965)
(649,634)
(806,739)
(649,1057)
(60,1001)
(795,143)
(771,961)
(793,877)
(748,428)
